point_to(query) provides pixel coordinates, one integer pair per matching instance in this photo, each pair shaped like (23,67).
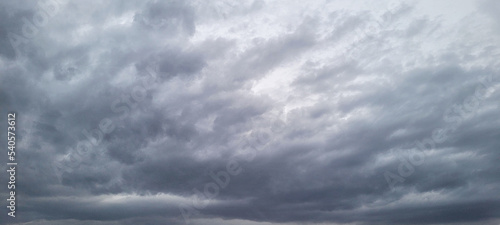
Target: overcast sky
(252,112)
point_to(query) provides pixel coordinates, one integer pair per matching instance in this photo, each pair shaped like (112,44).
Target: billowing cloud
(258,112)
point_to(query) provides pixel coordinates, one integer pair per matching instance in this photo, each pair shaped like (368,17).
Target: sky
(251,112)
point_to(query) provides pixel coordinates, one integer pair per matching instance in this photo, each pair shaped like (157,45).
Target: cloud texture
(252,112)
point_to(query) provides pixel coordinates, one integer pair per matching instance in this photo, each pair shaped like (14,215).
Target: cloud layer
(262,112)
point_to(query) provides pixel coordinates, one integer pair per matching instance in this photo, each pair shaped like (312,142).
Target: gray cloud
(129,111)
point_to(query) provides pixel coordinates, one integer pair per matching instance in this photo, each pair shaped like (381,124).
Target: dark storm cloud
(332,98)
